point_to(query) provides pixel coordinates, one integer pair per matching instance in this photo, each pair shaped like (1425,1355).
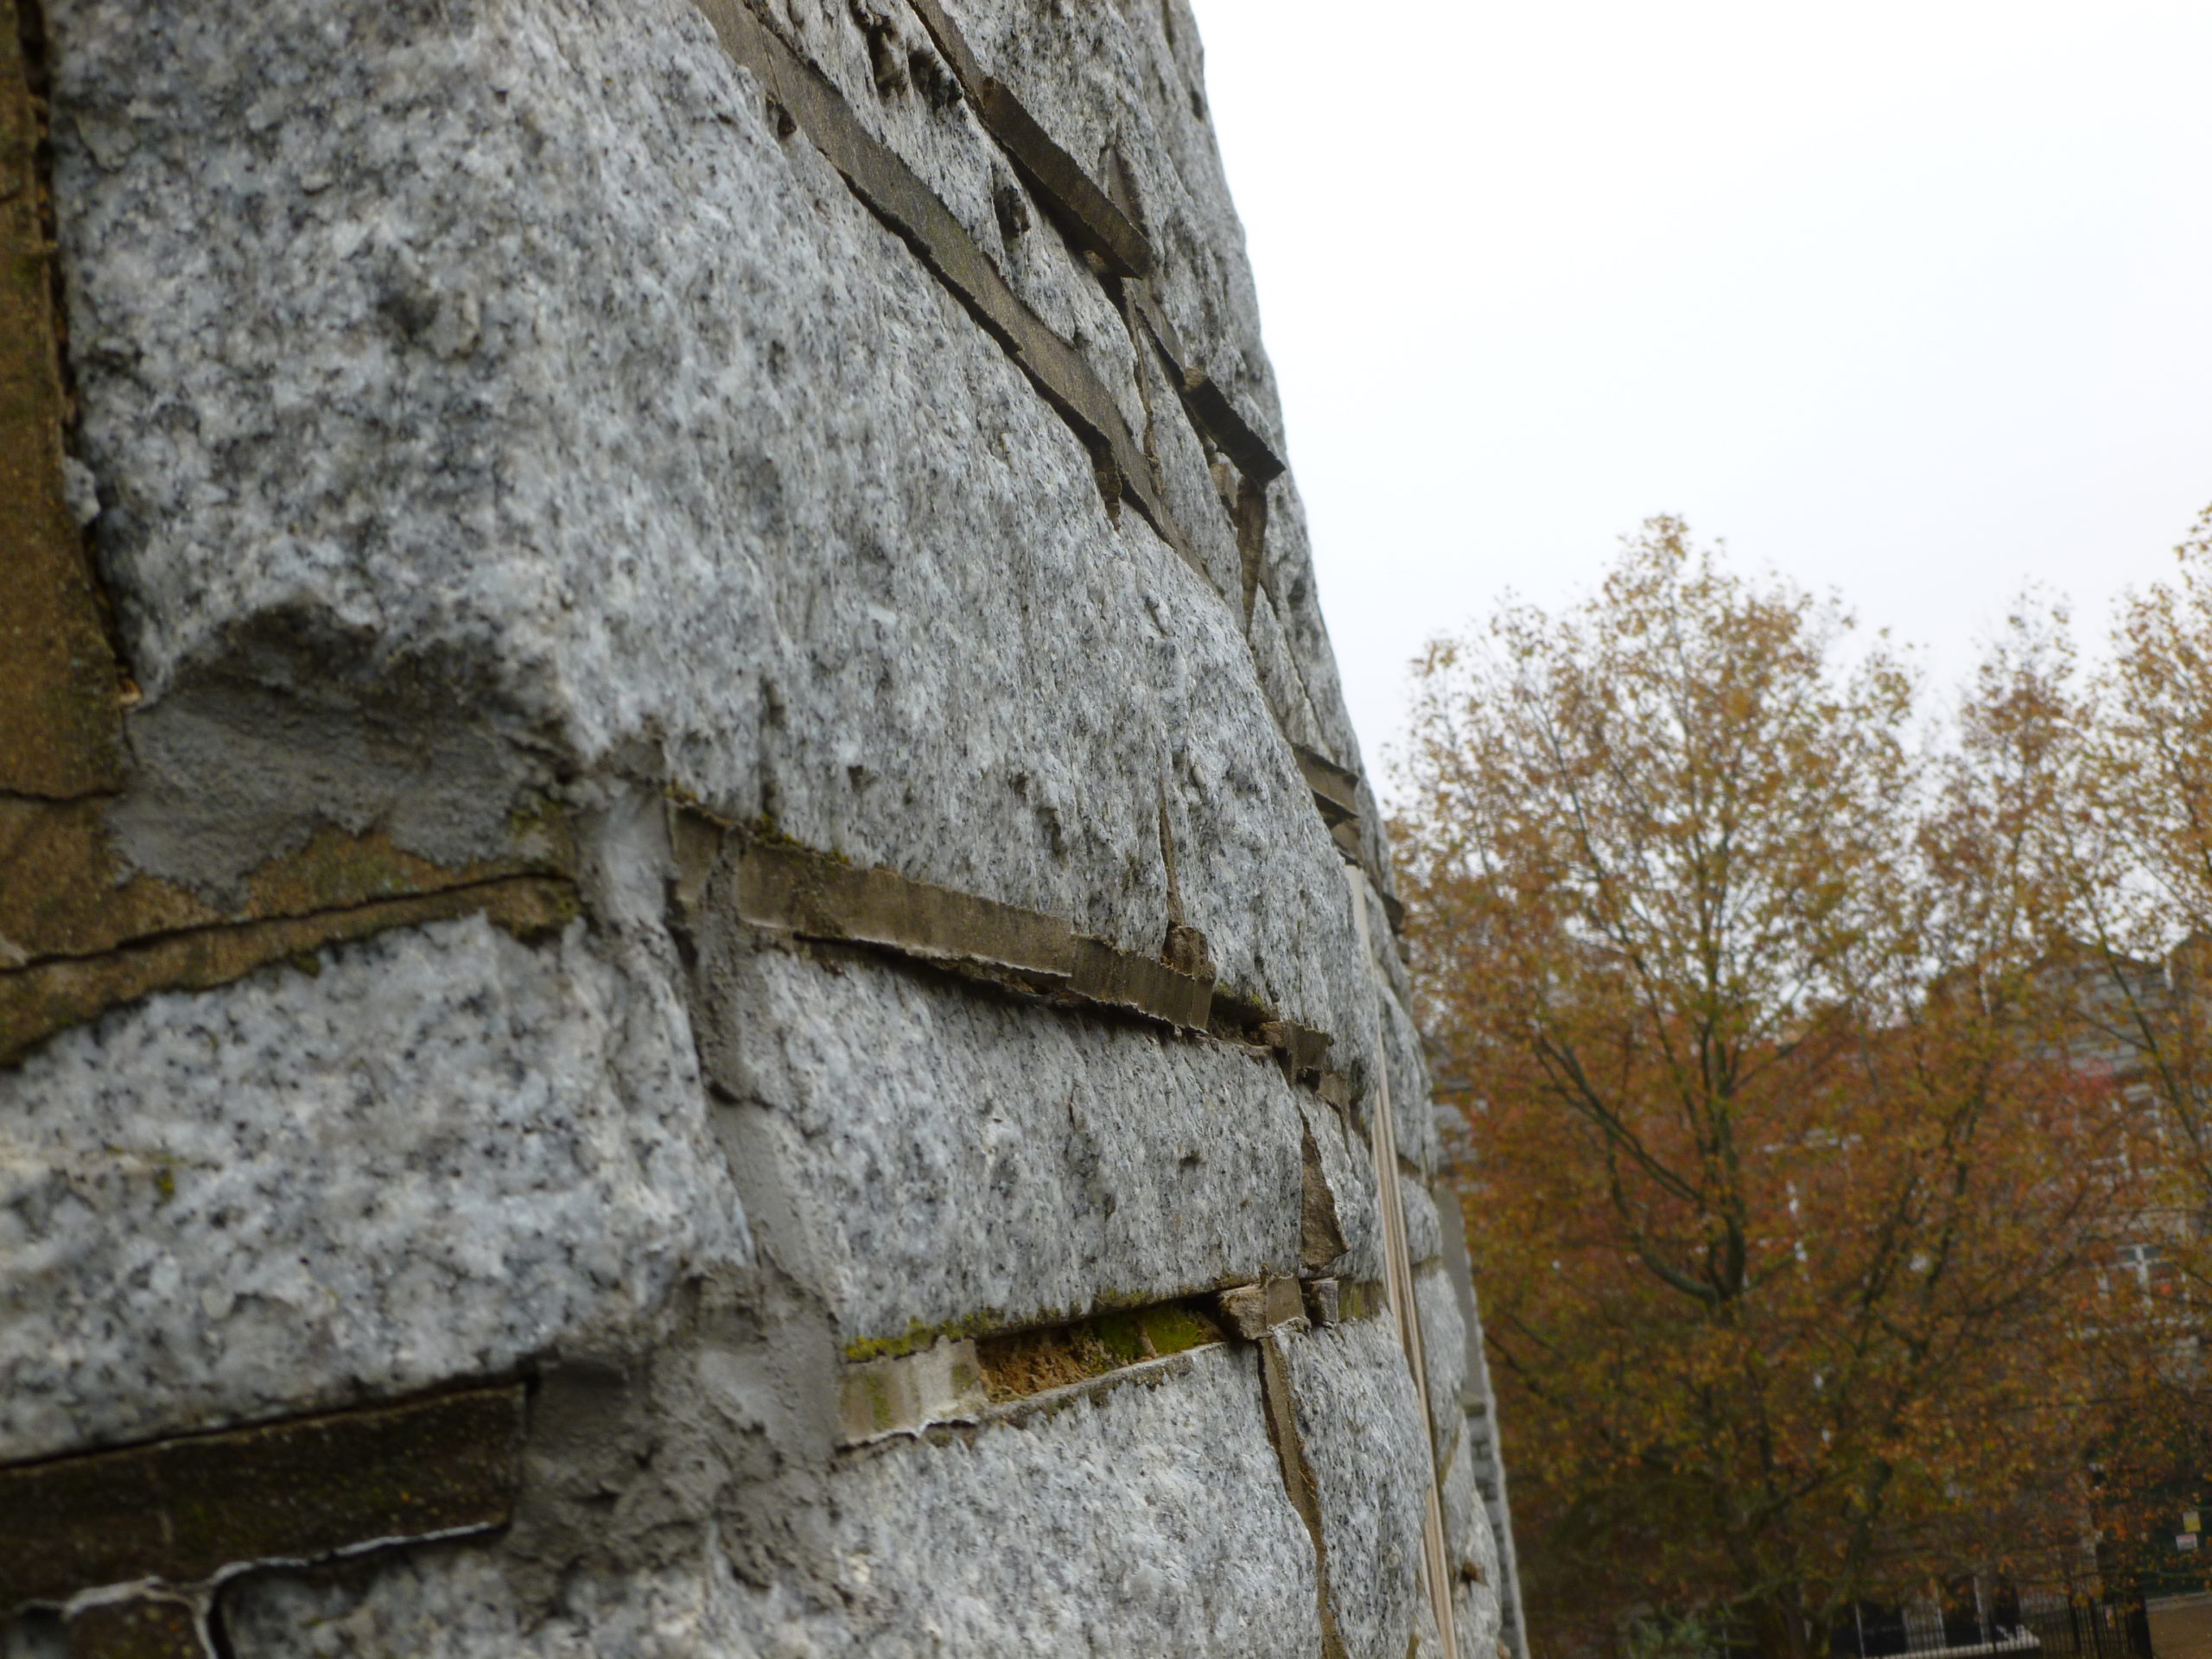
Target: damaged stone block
(890,189)
(1363,1436)
(981,1544)
(184,1510)
(61,689)
(1320,1235)
(44,997)
(1298,1484)
(1252,1311)
(1424,1221)
(942,1383)
(1093,220)
(377,544)
(779,475)
(1444,1347)
(1324,1305)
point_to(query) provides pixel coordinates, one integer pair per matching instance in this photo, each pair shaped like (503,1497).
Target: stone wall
(691,956)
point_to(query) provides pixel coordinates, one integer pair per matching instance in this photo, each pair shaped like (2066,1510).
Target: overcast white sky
(1911,301)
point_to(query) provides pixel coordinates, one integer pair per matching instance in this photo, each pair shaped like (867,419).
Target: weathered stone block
(1472,1547)
(1444,1355)
(1362,1434)
(1151,1521)
(571,416)
(1409,1097)
(1098,78)
(1424,1223)
(942,1383)
(1046,1162)
(374,285)
(1252,1311)
(1350,1173)
(184,1510)
(426,1156)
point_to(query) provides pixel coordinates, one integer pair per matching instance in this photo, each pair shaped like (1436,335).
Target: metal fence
(2115,1628)
(1988,1620)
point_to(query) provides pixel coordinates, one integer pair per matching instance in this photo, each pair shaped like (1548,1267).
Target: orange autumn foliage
(1786,1200)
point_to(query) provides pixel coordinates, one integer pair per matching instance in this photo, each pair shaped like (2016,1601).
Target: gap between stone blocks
(975,1380)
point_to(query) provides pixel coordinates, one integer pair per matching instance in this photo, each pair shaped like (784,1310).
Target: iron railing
(2049,1621)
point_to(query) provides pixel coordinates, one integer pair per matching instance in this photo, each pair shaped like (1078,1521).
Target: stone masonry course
(693,957)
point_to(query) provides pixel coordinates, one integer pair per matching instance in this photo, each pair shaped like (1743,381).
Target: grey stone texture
(1365,1440)
(1472,1547)
(503,420)
(1150,1521)
(1045,1160)
(1444,1341)
(420,1158)
(540,350)
(1350,1173)
(1424,1224)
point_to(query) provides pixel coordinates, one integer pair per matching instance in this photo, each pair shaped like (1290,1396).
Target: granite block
(430,1155)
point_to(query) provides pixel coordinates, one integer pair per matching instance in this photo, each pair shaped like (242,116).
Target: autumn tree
(1783,1199)
(2137,845)
(2130,836)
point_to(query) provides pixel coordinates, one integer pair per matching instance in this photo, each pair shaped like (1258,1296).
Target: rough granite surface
(1468,1540)
(1443,1353)
(437,1153)
(1363,1438)
(1045,1161)
(1287,569)
(1150,1522)
(1280,678)
(892,76)
(535,342)
(1103,76)
(1424,1226)
(1411,1111)
(1350,1173)
(502,422)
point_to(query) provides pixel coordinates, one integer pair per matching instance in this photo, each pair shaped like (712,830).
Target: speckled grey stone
(439,1154)
(1096,76)
(1409,1095)
(882,60)
(495,379)
(1444,1355)
(1150,1522)
(1424,1227)
(1472,1547)
(539,351)
(1288,571)
(1351,1174)
(1475,1614)
(1279,678)
(1363,1438)
(956,1155)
